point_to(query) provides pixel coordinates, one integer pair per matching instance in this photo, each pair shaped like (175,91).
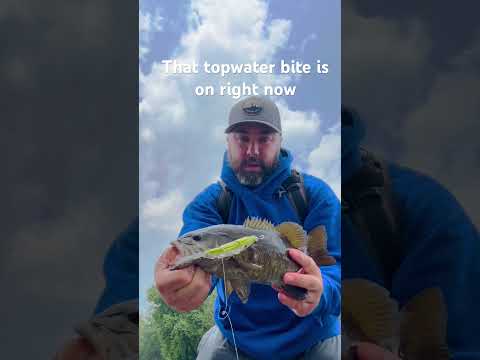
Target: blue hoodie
(121,269)
(263,327)
(441,247)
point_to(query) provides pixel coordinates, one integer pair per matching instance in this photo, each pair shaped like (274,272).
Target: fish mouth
(183,250)
(186,246)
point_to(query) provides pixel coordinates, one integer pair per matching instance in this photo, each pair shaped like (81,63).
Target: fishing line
(226,308)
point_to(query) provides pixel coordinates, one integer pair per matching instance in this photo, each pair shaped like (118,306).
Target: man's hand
(368,351)
(183,290)
(77,349)
(310,278)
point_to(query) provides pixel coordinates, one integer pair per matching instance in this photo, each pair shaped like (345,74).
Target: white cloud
(233,29)
(324,161)
(186,131)
(149,23)
(298,123)
(147,135)
(143,52)
(164,213)
(162,101)
(305,41)
(300,129)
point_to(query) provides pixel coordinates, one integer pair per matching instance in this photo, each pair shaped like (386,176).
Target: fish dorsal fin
(317,246)
(228,287)
(371,309)
(242,288)
(294,234)
(424,325)
(258,224)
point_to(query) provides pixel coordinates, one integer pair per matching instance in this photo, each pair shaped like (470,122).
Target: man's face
(253,151)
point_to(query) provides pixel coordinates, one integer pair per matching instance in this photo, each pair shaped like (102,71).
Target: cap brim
(233,126)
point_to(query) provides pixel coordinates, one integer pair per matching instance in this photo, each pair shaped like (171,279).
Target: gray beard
(249,179)
(254,179)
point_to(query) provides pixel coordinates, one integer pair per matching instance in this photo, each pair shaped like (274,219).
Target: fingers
(277,288)
(183,295)
(368,351)
(77,349)
(169,256)
(305,261)
(184,289)
(306,306)
(309,282)
(192,296)
(167,281)
(308,277)
(300,308)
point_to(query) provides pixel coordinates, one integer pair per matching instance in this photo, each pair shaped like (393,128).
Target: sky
(413,78)
(182,138)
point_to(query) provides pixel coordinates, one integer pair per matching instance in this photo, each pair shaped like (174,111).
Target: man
(270,324)
(437,246)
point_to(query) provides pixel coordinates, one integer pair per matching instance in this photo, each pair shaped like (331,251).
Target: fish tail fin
(370,309)
(317,247)
(423,329)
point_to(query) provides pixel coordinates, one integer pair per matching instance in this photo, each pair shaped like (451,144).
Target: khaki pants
(213,346)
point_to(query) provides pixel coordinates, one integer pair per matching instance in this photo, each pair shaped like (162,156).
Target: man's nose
(252,148)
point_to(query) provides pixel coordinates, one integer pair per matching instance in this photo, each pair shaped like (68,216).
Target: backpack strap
(295,189)
(224,202)
(293,186)
(367,200)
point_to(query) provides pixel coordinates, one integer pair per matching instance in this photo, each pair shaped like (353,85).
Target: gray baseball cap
(255,109)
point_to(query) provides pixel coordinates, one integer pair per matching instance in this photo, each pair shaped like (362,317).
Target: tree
(168,335)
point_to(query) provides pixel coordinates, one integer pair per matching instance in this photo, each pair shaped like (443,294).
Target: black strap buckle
(281,192)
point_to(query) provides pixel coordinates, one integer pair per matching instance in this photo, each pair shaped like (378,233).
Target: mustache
(253,161)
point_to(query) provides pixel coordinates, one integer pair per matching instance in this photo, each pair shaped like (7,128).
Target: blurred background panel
(69,75)
(410,73)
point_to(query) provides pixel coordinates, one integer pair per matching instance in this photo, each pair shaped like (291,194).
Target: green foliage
(168,335)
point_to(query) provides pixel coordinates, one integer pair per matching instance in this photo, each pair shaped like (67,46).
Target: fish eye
(196,237)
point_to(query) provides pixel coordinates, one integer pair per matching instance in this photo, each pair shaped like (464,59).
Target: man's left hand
(309,278)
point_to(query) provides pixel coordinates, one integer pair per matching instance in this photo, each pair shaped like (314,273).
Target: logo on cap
(253,109)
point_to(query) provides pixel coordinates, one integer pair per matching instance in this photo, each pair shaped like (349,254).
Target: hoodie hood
(353,132)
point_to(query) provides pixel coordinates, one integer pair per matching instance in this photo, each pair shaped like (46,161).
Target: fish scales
(255,252)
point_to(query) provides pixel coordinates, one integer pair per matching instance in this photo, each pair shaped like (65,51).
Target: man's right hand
(183,290)
(368,351)
(77,349)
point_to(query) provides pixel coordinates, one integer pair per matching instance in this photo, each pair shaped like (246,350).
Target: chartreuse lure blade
(232,247)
